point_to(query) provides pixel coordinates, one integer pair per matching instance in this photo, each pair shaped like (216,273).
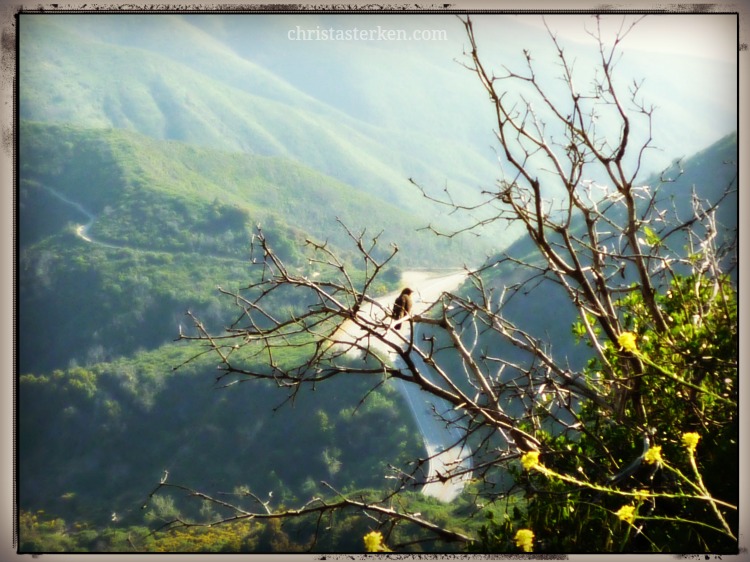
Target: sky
(712,36)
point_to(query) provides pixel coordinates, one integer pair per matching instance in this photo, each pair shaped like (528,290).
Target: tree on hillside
(625,452)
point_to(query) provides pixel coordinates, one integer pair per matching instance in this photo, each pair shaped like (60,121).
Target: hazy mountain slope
(68,77)
(421,85)
(125,173)
(373,86)
(171,221)
(404,86)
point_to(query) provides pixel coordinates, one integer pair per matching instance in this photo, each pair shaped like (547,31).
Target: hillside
(149,151)
(217,99)
(171,221)
(707,173)
(119,425)
(127,178)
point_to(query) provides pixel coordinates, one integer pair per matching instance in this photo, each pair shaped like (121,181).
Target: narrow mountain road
(441,440)
(82,230)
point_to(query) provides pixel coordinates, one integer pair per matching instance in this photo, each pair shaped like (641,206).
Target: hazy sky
(711,36)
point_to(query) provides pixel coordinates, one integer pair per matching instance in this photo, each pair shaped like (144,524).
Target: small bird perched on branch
(402,306)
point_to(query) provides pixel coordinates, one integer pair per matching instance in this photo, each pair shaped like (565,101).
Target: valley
(154,154)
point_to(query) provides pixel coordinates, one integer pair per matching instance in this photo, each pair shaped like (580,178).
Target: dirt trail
(82,230)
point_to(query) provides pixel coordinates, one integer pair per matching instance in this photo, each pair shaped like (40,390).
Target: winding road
(82,230)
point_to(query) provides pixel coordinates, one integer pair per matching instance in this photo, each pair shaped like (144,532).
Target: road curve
(81,229)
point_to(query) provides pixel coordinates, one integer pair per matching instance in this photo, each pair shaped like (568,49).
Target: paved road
(430,413)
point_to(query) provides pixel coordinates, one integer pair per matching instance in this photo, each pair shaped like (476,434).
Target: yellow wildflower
(374,542)
(530,460)
(641,495)
(653,455)
(690,440)
(626,340)
(626,513)
(525,539)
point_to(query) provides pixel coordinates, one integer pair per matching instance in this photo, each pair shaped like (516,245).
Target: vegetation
(167,228)
(608,449)
(174,197)
(590,369)
(198,90)
(42,533)
(102,410)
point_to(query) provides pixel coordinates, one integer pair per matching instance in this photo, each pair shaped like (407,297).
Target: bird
(402,306)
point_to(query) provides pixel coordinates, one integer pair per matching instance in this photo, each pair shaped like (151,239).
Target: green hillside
(223,101)
(168,194)
(119,425)
(171,222)
(150,149)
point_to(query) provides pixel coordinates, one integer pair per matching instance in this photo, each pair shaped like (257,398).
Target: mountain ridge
(113,168)
(176,103)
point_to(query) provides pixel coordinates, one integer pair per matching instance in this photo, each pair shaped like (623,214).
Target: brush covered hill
(166,223)
(175,81)
(103,408)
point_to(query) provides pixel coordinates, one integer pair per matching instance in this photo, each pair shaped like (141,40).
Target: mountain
(167,223)
(369,113)
(96,440)
(124,174)
(181,84)
(150,147)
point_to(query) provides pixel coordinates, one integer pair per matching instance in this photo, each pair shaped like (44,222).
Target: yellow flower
(626,340)
(690,440)
(374,542)
(626,513)
(653,455)
(525,539)
(530,460)
(641,495)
